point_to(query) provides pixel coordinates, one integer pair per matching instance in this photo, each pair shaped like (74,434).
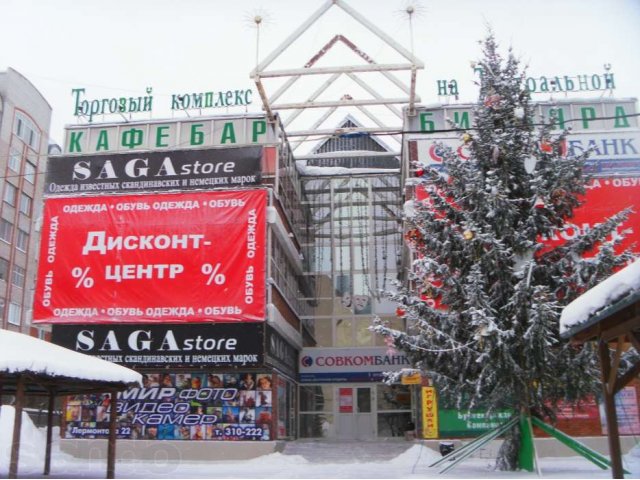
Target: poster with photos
(180,406)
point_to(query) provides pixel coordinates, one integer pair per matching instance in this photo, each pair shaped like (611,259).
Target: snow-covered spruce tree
(485,294)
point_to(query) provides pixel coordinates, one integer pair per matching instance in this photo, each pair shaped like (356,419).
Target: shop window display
(394,410)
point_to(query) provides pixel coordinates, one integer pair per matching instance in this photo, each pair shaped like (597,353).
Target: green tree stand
(526,454)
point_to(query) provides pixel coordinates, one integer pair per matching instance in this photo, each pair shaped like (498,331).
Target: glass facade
(316,410)
(390,406)
(394,410)
(354,250)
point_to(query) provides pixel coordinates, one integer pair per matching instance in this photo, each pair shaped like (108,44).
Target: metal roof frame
(261,72)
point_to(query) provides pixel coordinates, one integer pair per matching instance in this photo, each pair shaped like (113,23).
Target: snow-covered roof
(329,171)
(617,288)
(22,353)
(346,121)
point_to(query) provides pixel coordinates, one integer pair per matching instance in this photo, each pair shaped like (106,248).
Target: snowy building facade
(242,280)
(24,138)
(293,355)
(178,242)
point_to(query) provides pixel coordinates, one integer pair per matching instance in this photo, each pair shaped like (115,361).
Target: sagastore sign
(144,171)
(213,345)
(174,135)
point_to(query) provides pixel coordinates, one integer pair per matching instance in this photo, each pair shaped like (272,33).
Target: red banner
(190,257)
(605,197)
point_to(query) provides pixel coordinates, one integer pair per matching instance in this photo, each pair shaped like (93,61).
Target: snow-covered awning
(22,354)
(603,300)
(29,366)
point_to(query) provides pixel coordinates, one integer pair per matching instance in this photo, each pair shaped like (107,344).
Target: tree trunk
(508,454)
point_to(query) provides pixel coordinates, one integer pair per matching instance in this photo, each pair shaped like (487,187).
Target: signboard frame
(154,171)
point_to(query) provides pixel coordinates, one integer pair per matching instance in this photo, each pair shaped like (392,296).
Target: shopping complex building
(239,260)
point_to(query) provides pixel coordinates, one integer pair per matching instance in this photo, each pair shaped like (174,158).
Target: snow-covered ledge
(614,289)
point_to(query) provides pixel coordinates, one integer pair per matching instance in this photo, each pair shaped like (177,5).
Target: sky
(119,48)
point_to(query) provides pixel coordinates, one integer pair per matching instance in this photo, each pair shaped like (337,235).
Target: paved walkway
(327,451)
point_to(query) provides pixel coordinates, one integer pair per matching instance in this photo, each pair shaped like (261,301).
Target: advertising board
(461,423)
(153,171)
(605,197)
(612,153)
(318,365)
(188,257)
(604,114)
(163,135)
(627,412)
(180,406)
(429,412)
(162,345)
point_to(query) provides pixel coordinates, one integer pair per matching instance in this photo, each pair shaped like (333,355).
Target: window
(25,204)
(394,409)
(14,159)
(19,125)
(10,194)
(4,269)
(6,228)
(17,277)
(30,172)
(344,332)
(317,403)
(27,131)
(14,314)
(23,240)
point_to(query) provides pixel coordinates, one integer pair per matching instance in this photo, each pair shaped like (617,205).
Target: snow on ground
(413,463)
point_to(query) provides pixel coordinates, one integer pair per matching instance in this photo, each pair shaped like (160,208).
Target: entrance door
(356,419)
